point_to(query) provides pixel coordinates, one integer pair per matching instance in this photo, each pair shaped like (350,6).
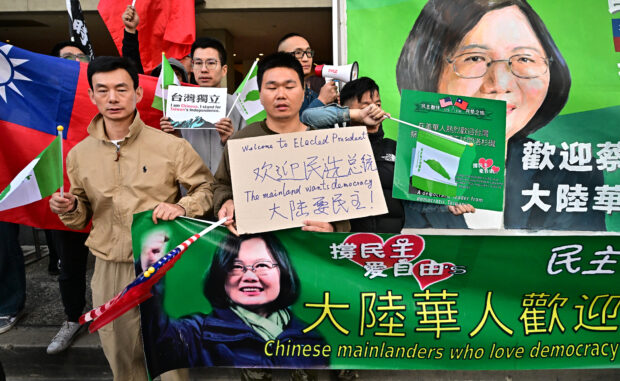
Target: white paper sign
(195,107)
(281,180)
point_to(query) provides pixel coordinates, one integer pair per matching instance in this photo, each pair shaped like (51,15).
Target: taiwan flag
(615,24)
(461,103)
(37,94)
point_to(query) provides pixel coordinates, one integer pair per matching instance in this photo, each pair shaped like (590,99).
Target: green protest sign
(555,65)
(431,168)
(298,299)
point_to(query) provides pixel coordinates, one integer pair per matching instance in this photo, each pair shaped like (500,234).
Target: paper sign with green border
(479,180)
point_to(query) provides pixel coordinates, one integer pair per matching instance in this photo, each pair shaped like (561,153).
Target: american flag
(140,289)
(445,102)
(460,103)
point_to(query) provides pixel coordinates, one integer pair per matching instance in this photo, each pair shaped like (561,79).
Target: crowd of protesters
(197,161)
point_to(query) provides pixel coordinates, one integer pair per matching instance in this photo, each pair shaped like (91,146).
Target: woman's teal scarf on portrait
(266,327)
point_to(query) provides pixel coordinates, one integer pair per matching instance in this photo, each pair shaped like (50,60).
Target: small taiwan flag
(615,23)
(462,104)
(445,102)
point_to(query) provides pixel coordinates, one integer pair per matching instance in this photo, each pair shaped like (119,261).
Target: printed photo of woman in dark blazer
(250,285)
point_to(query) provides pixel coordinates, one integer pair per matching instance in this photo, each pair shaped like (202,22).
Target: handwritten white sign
(195,107)
(279,181)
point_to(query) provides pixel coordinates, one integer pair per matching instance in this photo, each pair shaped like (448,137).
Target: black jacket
(220,338)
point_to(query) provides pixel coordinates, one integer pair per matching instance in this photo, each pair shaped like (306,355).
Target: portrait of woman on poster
(250,286)
(501,49)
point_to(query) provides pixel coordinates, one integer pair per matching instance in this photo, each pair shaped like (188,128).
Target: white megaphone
(344,73)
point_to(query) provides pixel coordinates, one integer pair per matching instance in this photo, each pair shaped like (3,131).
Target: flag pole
(62,171)
(453,139)
(233,105)
(244,84)
(163,75)
(133,4)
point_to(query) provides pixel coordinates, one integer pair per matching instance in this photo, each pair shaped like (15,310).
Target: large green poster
(555,65)
(296,299)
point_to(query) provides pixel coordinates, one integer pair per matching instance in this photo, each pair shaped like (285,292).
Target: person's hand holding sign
(225,128)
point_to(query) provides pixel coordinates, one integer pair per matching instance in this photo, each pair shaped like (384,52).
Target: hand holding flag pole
(140,289)
(453,139)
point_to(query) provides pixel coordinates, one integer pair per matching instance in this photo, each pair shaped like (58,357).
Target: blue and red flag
(461,103)
(38,93)
(615,24)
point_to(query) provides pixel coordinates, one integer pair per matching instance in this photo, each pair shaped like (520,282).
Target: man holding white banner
(209,69)
(281,83)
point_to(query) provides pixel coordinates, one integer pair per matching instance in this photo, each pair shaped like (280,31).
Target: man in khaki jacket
(125,167)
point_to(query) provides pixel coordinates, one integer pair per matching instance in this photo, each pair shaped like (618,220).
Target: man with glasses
(209,69)
(299,48)
(71,51)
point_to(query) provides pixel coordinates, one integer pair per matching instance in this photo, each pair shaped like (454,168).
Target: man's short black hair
(59,46)
(208,42)
(275,60)
(224,258)
(106,64)
(357,89)
(287,36)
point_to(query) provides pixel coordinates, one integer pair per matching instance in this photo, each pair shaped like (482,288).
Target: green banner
(422,169)
(366,301)
(555,65)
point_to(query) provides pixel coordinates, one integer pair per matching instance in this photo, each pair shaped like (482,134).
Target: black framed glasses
(259,268)
(476,65)
(299,54)
(76,57)
(209,64)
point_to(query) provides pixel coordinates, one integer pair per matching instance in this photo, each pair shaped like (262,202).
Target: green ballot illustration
(454,153)
(437,167)
(435,163)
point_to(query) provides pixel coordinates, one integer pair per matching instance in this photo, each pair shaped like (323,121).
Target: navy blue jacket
(218,339)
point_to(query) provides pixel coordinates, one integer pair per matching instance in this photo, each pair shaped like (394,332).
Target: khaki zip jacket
(111,184)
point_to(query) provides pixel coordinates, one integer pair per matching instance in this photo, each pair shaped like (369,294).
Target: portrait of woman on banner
(502,50)
(250,285)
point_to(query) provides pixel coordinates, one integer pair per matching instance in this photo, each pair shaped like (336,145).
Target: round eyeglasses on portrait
(476,65)
(259,268)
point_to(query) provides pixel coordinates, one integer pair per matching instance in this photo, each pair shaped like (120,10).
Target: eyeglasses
(299,54)
(476,65)
(209,64)
(73,57)
(259,268)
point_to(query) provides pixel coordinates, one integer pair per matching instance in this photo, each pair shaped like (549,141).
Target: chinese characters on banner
(281,180)
(195,107)
(575,157)
(368,301)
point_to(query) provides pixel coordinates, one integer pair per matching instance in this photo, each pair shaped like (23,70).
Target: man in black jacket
(359,94)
